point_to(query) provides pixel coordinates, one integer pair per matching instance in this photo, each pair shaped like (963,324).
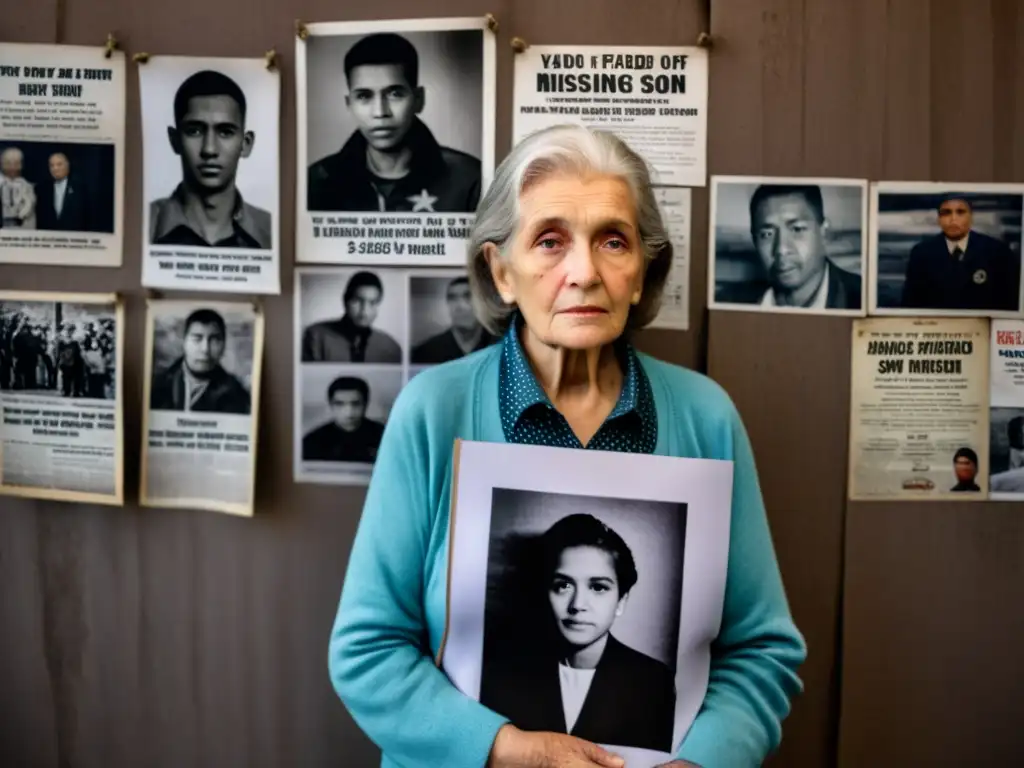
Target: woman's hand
(514,748)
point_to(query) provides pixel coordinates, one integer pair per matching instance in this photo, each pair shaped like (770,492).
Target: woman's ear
(499,273)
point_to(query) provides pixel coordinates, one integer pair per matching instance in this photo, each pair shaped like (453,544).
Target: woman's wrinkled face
(575,266)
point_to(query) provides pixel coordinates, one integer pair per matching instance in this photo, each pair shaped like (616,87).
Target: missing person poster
(203,362)
(919,409)
(581,580)
(395,139)
(360,335)
(61,396)
(654,98)
(210,135)
(62,129)
(675,206)
(1006,412)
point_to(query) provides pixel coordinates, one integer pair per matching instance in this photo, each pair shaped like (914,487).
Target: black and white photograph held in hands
(351,315)
(790,245)
(442,324)
(582,615)
(585,589)
(210,174)
(395,139)
(60,395)
(946,249)
(62,155)
(340,416)
(201,362)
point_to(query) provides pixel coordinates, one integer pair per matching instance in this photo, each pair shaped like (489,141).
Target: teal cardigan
(391,615)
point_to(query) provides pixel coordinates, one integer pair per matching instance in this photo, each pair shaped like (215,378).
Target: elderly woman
(568,256)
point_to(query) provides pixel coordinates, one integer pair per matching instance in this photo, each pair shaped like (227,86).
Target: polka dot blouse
(528,416)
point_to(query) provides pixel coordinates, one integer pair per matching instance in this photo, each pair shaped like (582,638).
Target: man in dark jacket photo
(197,381)
(392,162)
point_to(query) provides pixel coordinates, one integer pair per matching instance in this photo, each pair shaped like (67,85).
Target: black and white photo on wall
(788,244)
(62,143)
(203,368)
(944,248)
(395,139)
(580,580)
(210,129)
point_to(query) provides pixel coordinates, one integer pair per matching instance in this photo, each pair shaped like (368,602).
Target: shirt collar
(820,296)
(172,215)
(520,389)
(952,245)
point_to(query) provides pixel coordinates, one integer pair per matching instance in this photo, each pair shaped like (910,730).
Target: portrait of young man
(790,236)
(197,380)
(352,338)
(349,436)
(211,138)
(392,161)
(960,267)
(463,335)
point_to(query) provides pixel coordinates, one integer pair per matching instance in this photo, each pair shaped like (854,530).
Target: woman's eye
(548,242)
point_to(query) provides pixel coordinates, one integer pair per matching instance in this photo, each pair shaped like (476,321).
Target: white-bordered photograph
(946,248)
(788,244)
(395,139)
(1006,411)
(442,324)
(200,426)
(351,315)
(211,174)
(582,580)
(340,413)
(61,401)
(62,155)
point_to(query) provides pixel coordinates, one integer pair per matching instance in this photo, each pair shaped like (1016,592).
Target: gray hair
(12,152)
(560,149)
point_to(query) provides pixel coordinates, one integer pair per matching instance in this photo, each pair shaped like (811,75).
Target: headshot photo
(582,615)
(57,187)
(788,245)
(343,412)
(1006,450)
(965,467)
(379,128)
(210,140)
(442,325)
(58,349)
(351,315)
(943,249)
(202,361)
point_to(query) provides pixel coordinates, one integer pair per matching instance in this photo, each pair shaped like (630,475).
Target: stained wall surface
(175,638)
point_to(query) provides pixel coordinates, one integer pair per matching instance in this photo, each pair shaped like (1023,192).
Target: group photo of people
(57,187)
(57,349)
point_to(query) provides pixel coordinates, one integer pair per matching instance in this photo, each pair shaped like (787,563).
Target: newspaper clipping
(654,98)
(210,134)
(203,364)
(60,397)
(644,540)
(919,409)
(62,127)
(675,205)
(1006,412)
(395,139)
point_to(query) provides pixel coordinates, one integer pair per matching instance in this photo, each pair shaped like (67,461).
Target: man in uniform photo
(465,334)
(349,436)
(789,230)
(206,210)
(961,268)
(352,338)
(197,381)
(65,204)
(391,162)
